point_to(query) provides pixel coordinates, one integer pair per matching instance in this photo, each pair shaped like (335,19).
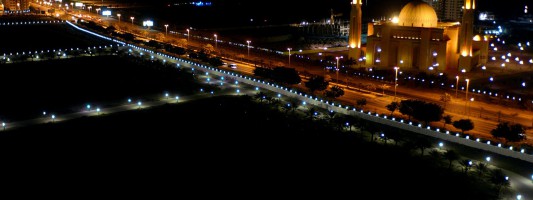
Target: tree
(445,98)
(260,96)
(160,36)
(466,164)
(427,112)
(451,156)
(286,75)
(334,92)
(393,106)
(464,125)
(311,113)
(422,144)
(481,168)
(435,155)
(216,62)
(511,133)
(383,87)
(498,178)
(447,120)
(209,48)
(181,42)
(361,103)
(316,83)
(350,62)
(406,108)
(294,104)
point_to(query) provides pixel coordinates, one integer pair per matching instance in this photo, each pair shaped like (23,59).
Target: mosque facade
(416,40)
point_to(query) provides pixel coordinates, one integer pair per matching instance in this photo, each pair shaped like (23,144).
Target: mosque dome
(418,14)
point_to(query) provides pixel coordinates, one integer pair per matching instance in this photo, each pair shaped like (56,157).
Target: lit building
(417,41)
(354,36)
(14,5)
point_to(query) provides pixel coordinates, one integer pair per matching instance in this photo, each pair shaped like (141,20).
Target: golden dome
(418,14)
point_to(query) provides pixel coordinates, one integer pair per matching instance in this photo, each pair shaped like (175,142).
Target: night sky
(382,7)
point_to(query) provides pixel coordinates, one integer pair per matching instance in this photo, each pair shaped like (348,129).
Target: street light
(456,85)
(466,96)
(395,81)
(132,20)
(53,118)
(4,125)
(166,29)
(337,70)
(289,56)
(90,8)
(248,41)
(188,35)
(118,15)
(216,41)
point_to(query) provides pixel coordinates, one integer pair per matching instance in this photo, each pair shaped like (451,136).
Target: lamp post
(97,10)
(337,70)
(188,35)
(466,96)
(118,15)
(4,125)
(456,85)
(216,41)
(166,29)
(289,56)
(90,8)
(132,20)
(395,81)
(248,41)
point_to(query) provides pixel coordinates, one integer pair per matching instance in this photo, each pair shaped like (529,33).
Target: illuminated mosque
(416,40)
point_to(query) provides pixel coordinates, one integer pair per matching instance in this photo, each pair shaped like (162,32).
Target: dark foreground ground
(225,147)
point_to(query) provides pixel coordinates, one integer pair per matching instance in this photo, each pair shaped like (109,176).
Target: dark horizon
(374,8)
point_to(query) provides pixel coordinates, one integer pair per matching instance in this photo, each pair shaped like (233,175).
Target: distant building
(416,40)
(14,5)
(447,10)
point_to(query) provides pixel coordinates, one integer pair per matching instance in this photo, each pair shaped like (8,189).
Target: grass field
(66,85)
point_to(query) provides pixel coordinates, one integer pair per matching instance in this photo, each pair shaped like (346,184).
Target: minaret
(354,39)
(466,35)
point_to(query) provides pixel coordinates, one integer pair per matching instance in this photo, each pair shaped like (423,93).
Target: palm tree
(351,120)
(396,136)
(422,144)
(498,178)
(294,104)
(330,116)
(435,155)
(481,168)
(451,156)
(311,113)
(466,164)
(261,96)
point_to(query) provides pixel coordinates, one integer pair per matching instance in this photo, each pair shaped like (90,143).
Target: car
(233,66)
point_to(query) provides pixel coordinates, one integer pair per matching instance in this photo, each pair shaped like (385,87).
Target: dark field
(66,85)
(225,147)
(43,37)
